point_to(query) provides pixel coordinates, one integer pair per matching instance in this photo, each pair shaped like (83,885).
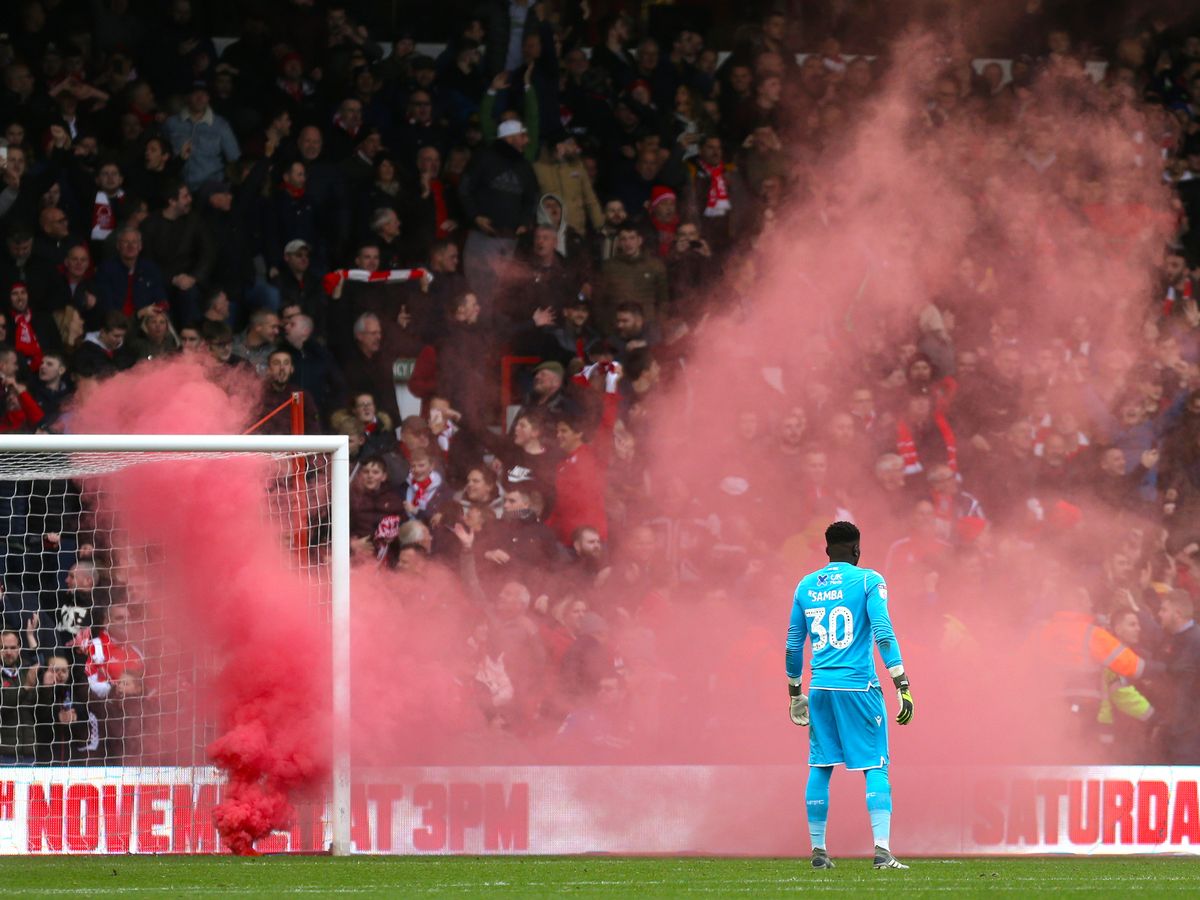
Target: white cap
(509,127)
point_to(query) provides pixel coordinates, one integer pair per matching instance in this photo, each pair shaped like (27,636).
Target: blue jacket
(213,145)
(112,279)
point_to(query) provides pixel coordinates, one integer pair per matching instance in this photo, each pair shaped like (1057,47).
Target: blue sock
(879,805)
(816,797)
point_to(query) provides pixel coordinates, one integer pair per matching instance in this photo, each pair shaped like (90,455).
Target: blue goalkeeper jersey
(844,609)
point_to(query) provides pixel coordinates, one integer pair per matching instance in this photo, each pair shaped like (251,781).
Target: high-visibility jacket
(1074,644)
(1119,696)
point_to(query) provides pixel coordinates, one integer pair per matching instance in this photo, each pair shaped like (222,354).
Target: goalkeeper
(843,608)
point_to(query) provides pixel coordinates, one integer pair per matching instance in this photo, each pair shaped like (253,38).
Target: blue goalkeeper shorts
(847,728)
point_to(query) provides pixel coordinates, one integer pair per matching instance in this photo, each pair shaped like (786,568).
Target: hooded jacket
(568,180)
(501,186)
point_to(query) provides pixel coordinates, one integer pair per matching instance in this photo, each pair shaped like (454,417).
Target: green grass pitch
(598,876)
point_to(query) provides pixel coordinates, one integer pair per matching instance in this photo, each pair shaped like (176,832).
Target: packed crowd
(307,206)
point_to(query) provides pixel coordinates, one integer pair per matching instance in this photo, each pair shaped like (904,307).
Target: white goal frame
(338,448)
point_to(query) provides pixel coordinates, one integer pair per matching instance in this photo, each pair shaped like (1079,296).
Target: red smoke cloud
(893,213)
(886,224)
(225,589)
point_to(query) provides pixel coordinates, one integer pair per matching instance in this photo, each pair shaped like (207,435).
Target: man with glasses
(420,129)
(368,364)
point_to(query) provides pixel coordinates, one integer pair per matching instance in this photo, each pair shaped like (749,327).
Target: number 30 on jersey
(840,620)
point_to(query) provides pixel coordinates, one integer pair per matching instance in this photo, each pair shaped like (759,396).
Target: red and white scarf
(907,447)
(1174,295)
(421,492)
(25,340)
(386,531)
(717,203)
(383,276)
(104,216)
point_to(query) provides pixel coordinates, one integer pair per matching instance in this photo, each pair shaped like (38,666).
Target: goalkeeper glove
(905,697)
(798,708)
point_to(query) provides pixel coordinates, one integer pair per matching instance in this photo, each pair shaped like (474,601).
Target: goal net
(174,651)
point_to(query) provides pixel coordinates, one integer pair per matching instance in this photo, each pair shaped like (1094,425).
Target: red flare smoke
(228,588)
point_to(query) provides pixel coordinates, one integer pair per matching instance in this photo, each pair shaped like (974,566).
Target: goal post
(46,480)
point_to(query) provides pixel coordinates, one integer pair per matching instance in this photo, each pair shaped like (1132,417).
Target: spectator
(61,714)
(109,196)
(715,193)
(529,463)
(395,252)
(316,373)
(631,276)
(176,239)
(325,185)
(33,334)
(202,138)
(367,368)
(74,283)
(297,288)
(421,128)
(1179,732)
(53,387)
(589,664)
(260,339)
(448,283)
(160,167)
(378,430)
(519,545)
(663,218)
(560,172)
(630,331)
(104,351)
(544,283)
(421,496)
(371,500)
(951,504)
(480,491)
(127,283)
(155,337)
(54,238)
(498,194)
(924,436)
(435,214)
(578,485)
(18,685)
(278,390)
(70,328)
(21,265)
(108,653)
(607,234)
(292,216)
(229,215)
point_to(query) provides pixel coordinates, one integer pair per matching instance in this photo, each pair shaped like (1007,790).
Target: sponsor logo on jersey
(879,720)
(822,580)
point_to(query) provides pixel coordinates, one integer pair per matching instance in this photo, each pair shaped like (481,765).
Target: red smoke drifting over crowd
(890,218)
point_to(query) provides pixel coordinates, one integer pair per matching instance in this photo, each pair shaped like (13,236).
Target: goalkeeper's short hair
(842,534)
